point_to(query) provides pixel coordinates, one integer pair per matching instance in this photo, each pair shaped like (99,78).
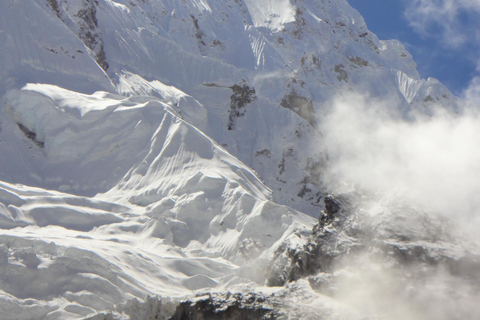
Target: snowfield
(154,207)
(153,151)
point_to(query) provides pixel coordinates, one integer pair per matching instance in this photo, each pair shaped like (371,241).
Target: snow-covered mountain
(152,148)
(254,76)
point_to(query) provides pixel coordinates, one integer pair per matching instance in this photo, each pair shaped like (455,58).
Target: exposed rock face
(90,34)
(241,97)
(397,236)
(390,260)
(223,306)
(30,135)
(87,22)
(332,206)
(301,106)
(315,256)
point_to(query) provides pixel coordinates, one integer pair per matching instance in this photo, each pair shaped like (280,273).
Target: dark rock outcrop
(223,306)
(396,235)
(30,135)
(242,95)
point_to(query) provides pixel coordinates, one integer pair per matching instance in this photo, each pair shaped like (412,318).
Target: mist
(433,159)
(432,162)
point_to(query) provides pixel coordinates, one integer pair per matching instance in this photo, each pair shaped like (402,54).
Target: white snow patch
(272,14)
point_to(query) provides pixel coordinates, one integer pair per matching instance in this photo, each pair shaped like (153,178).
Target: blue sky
(442,35)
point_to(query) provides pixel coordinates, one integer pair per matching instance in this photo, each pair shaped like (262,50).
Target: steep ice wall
(38,47)
(259,75)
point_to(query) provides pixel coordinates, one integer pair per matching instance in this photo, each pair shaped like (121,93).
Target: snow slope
(174,212)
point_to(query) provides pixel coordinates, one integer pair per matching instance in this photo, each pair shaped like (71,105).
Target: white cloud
(443,18)
(456,24)
(433,159)
(472,94)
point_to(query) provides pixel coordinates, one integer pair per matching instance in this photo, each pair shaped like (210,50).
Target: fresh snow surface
(272,14)
(165,209)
